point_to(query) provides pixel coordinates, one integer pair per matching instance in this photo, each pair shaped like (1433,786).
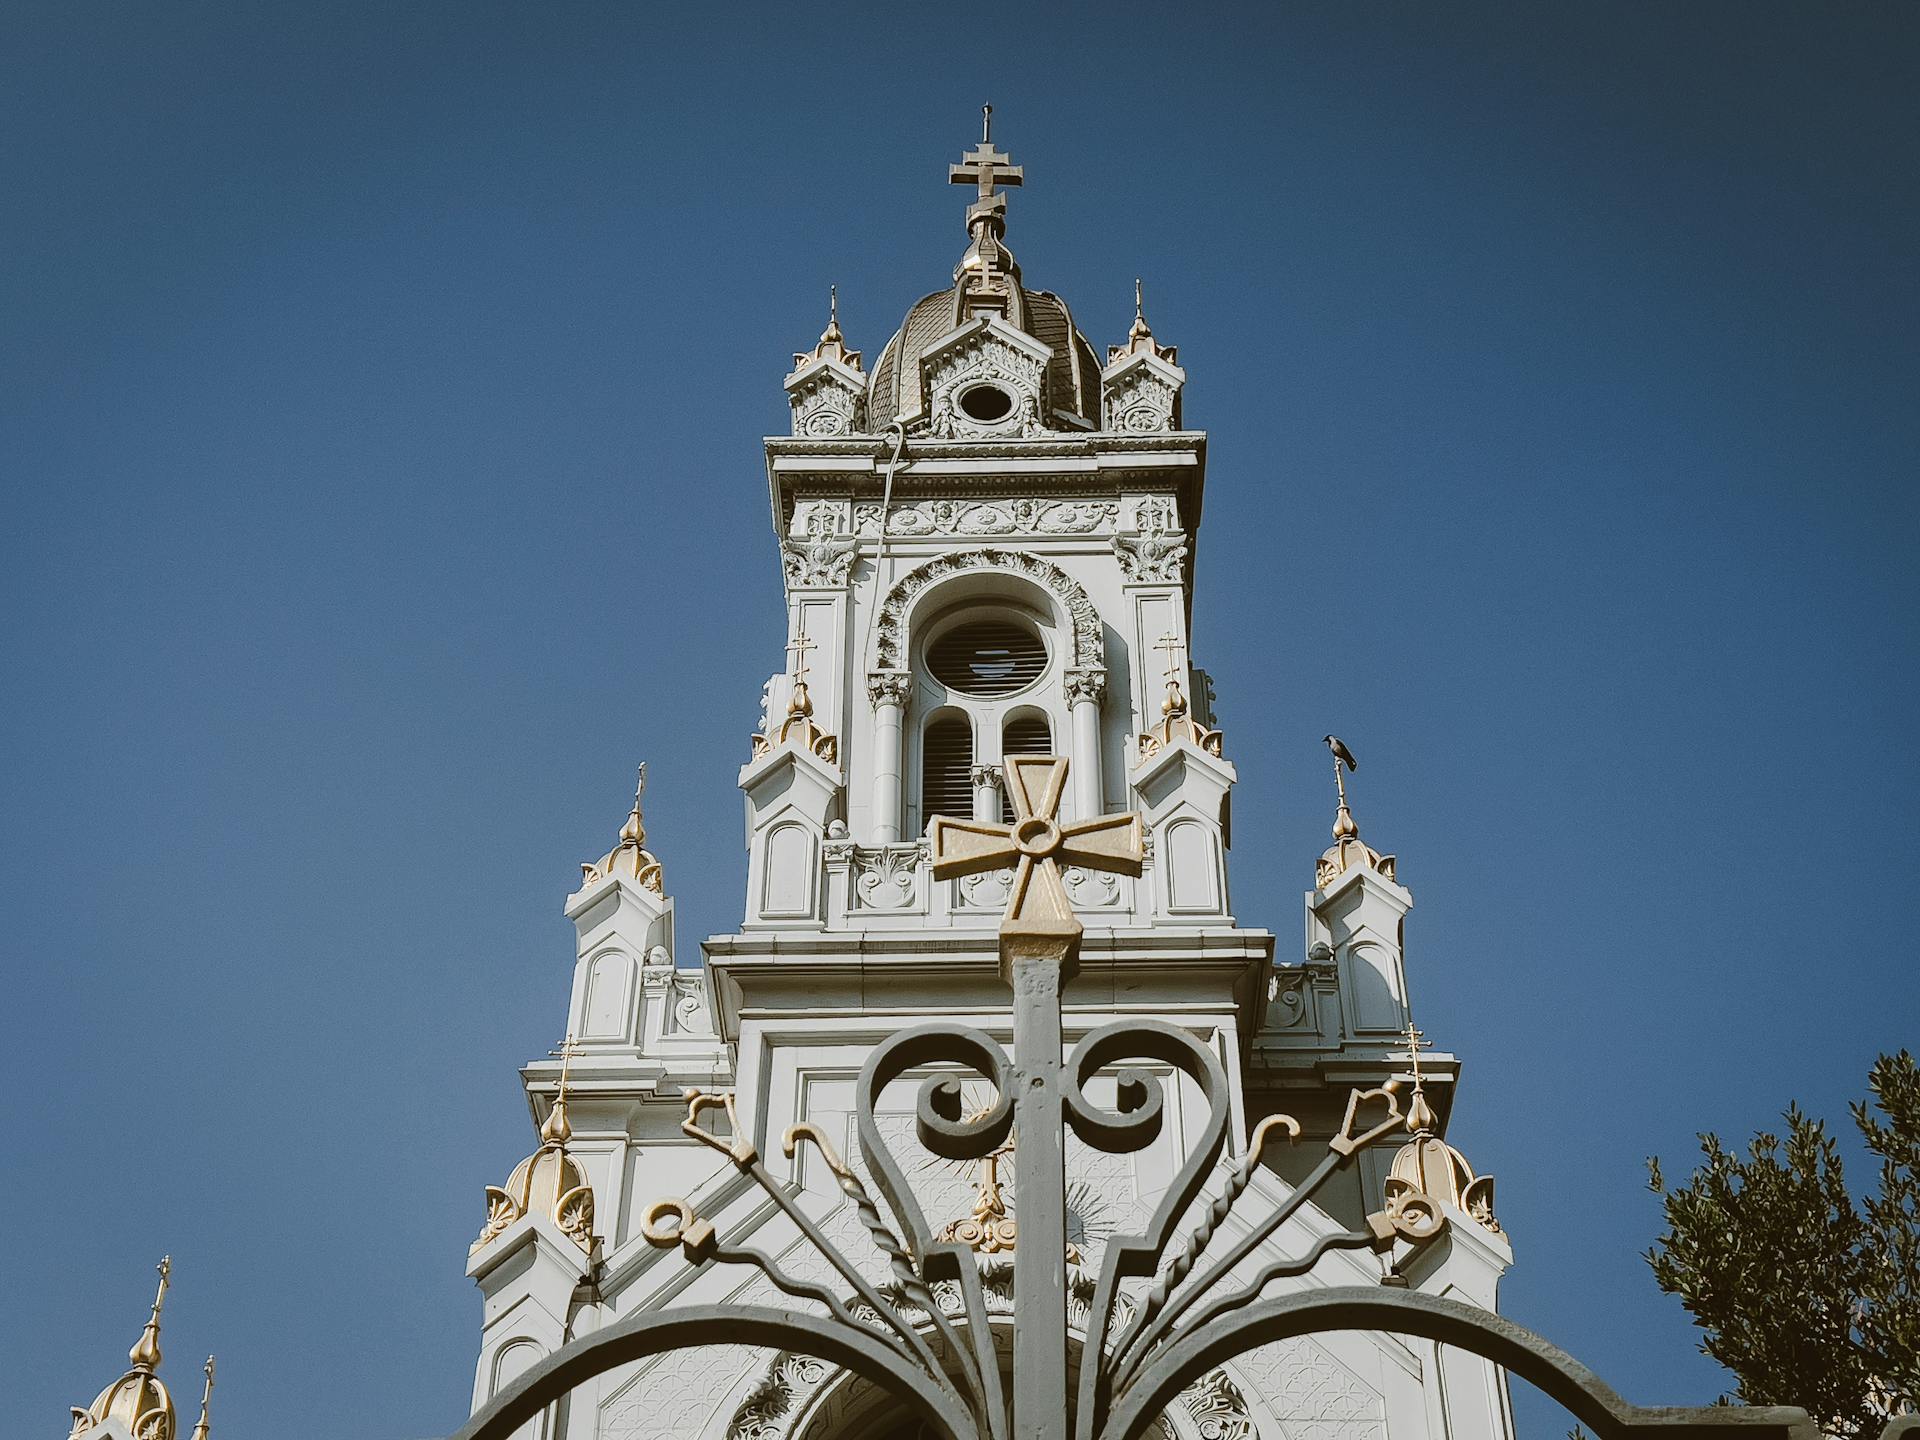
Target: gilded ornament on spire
(139,1399)
(1348,849)
(833,345)
(204,1428)
(629,858)
(987,270)
(1176,717)
(549,1181)
(1427,1165)
(798,728)
(1140,339)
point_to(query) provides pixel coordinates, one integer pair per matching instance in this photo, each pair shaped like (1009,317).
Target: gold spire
(1348,849)
(1176,723)
(1427,1165)
(139,1399)
(203,1429)
(549,1181)
(629,858)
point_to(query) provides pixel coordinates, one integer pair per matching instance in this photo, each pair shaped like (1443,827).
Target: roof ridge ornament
(549,1181)
(1427,1165)
(203,1428)
(798,728)
(1140,339)
(139,1399)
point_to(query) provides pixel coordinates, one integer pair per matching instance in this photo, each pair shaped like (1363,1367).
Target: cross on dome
(984,166)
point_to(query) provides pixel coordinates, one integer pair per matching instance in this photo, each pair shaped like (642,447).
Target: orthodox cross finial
(204,1428)
(1176,702)
(634,832)
(145,1354)
(798,647)
(984,167)
(1036,845)
(1139,330)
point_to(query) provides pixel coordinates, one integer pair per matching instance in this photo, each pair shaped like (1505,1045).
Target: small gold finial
(145,1354)
(204,1428)
(1420,1117)
(1176,723)
(634,832)
(1139,330)
(1347,847)
(558,1129)
(798,726)
(799,702)
(629,857)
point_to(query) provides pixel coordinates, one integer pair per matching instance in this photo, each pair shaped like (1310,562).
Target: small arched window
(946,766)
(1025,733)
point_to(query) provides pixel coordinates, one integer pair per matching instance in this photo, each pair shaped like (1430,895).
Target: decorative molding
(1089,639)
(911,519)
(986,356)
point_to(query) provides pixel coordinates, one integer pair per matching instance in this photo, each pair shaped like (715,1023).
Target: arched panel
(946,765)
(609,997)
(1193,868)
(789,874)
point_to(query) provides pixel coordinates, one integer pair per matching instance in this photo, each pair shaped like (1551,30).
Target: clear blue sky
(380,398)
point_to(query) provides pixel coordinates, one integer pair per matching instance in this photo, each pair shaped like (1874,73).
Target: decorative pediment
(827,390)
(985,380)
(1140,393)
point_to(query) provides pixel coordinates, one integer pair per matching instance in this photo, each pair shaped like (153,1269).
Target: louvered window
(987,658)
(946,760)
(1025,734)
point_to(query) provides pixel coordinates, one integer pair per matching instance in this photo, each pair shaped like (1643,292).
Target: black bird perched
(1341,755)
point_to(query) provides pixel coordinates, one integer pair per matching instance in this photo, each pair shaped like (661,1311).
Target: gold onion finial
(1428,1165)
(204,1428)
(145,1354)
(629,857)
(558,1129)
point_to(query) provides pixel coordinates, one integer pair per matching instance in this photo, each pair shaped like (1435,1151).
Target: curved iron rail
(658,1331)
(1450,1322)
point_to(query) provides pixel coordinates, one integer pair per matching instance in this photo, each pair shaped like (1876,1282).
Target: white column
(1085,690)
(888,690)
(986,793)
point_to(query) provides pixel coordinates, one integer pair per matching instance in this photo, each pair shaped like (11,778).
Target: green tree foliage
(1808,1298)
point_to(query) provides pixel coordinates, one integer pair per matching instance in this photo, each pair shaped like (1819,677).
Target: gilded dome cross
(985,166)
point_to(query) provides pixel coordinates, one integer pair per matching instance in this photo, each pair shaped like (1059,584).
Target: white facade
(988,472)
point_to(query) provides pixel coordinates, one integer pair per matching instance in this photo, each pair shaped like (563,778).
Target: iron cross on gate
(1039,950)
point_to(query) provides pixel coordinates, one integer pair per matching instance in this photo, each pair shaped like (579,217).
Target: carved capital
(889,687)
(824,560)
(1086,687)
(986,775)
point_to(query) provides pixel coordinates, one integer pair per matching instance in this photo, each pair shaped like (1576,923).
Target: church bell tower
(988,541)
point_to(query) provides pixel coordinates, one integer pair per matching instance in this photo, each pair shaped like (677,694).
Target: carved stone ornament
(1086,687)
(1218,1409)
(886,877)
(1156,551)
(826,407)
(986,353)
(995,517)
(822,560)
(889,687)
(1089,639)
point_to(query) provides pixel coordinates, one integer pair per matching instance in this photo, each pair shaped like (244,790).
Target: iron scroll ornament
(924,1334)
